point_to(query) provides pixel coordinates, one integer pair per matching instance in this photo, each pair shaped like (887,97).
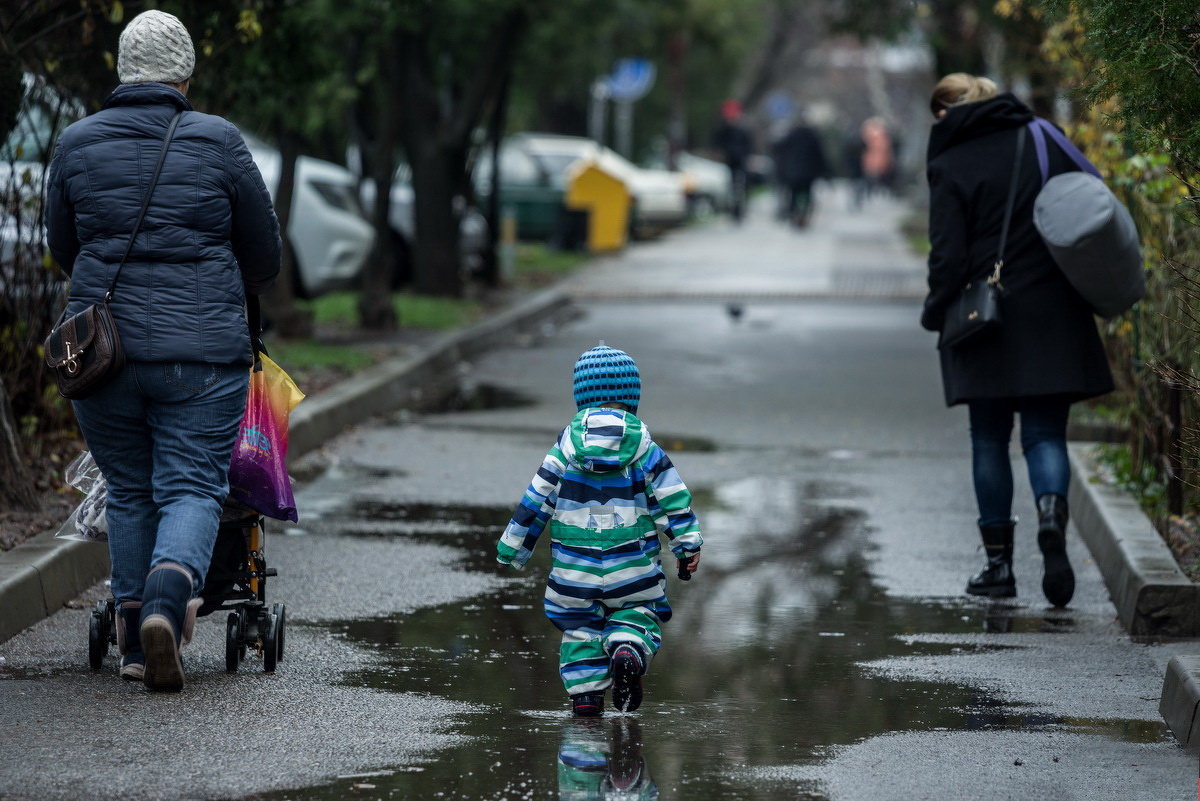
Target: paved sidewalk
(842,254)
(825,650)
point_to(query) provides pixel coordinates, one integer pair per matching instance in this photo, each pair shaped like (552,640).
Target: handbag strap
(137,225)
(1008,208)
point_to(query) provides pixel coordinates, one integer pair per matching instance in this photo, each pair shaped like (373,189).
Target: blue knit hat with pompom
(607,375)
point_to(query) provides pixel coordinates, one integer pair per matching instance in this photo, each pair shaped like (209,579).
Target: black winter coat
(210,229)
(799,158)
(1048,343)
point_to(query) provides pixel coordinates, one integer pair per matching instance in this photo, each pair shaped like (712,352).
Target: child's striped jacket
(605,483)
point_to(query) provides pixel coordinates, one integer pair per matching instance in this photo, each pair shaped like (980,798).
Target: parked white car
(659,196)
(327,229)
(331,237)
(711,187)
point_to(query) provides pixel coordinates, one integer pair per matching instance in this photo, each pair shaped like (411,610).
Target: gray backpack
(1087,230)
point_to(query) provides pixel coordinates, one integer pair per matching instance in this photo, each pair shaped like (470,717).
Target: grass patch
(302,355)
(537,265)
(340,309)
(1143,482)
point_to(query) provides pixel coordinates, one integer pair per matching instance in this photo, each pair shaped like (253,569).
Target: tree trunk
(677,133)
(956,39)
(496,125)
(436,255)
(16,485)
(376,311)
(378,128)
(288,320)
(437,129)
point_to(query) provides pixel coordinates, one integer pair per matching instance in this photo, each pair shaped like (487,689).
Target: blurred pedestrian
(736,145)
(162,429)
(606,490)
(1044,355)
(799,162)
(852,166)
(878,156)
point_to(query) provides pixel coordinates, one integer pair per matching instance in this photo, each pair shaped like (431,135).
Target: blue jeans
(1043,439)
(162,434)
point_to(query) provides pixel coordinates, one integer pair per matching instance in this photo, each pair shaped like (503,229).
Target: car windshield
(557,163)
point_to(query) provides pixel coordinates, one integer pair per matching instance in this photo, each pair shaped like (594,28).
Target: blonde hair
(958,88)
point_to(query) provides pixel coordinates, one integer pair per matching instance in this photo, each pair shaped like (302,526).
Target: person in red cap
(736,146)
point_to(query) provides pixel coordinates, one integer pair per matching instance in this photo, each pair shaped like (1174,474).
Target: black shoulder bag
(84,350)
(977,308)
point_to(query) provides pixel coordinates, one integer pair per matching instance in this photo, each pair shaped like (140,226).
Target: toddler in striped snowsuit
(606,490)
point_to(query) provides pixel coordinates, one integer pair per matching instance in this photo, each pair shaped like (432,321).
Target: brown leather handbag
(84,350)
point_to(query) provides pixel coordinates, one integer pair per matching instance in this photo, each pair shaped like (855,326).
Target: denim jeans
(1043,439)
(162,434)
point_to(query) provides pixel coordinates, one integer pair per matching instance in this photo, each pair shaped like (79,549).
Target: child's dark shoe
(627,669)
(587,705)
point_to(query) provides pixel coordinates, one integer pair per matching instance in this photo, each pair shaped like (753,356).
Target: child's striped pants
(600,598)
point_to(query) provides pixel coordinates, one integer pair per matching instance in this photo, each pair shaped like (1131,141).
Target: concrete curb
(39,576)
(419,380)
(1152,595)
(1181,699)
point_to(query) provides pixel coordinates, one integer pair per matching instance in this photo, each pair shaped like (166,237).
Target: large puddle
(760,664)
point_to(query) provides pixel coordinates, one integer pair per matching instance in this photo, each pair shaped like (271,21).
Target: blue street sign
(780,106)
(631,79)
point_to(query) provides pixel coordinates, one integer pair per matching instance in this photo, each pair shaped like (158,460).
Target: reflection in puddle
(600,760)
(761,665)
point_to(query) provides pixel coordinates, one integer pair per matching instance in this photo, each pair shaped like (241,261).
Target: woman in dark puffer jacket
(162,430)
(1046,354)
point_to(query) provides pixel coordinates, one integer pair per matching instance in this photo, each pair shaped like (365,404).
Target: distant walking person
(799,162)
(736,146)
(878,155)
(1046,353)
(162,430)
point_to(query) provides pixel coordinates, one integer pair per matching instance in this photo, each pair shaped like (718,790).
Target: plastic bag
(258,474)
(88,522)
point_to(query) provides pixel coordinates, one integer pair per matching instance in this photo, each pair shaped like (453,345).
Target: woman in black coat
(1045,355)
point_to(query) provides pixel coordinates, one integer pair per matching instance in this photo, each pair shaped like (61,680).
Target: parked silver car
(472,227)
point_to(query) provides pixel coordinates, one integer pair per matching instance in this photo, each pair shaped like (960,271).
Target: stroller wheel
(271,643)
(280,615)
(233,642)
(99,630)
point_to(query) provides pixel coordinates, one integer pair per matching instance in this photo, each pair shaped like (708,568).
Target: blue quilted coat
(210,234)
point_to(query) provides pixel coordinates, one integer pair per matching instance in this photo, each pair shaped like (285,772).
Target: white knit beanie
(155,46)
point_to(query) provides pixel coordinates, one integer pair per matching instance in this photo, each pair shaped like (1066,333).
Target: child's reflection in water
(602,759)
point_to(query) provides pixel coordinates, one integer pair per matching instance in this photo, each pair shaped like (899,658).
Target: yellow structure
(606,198)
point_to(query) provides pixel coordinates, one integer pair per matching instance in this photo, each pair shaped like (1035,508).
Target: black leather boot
(1058,580)
(996,580)
(164,610)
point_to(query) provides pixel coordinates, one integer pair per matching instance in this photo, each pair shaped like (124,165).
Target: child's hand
(688,566)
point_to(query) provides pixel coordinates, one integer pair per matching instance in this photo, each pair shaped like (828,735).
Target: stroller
(237,583)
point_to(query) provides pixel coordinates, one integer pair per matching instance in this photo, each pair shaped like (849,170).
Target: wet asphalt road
(824,650)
